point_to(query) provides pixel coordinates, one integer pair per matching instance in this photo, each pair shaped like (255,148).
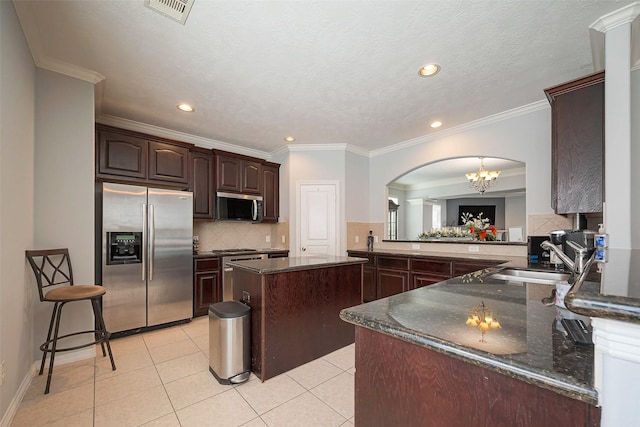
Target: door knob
(304,249)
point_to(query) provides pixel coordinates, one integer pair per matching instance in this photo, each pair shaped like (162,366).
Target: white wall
(17,77)
(356,187)
(635,156)
(64,187)
(316,165)
(515,212)
(525,138)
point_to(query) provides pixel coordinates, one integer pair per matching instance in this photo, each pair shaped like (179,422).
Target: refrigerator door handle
(144,240)
(152,243)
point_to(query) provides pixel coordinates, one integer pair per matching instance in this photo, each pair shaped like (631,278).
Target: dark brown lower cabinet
(401,384)
(207,284)
(391,282)
(295,314)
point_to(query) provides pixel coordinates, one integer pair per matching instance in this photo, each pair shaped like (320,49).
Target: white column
(617,371)
(617,343)
(617,212)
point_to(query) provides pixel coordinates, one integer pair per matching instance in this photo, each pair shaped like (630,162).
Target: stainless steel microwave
(238,207)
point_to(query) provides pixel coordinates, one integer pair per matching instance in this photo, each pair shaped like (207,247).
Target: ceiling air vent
(178,10)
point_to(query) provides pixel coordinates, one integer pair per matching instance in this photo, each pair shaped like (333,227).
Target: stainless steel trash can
(229,341)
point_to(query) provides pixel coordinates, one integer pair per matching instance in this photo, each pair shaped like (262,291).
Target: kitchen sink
(531,276)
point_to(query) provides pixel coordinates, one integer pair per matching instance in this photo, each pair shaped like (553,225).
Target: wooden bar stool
(52,268)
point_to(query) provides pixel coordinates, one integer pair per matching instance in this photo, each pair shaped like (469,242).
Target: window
(392,220)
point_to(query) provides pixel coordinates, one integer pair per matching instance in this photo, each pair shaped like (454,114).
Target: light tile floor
(163,379)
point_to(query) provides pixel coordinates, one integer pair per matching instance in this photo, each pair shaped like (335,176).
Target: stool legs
(50,345)
(103,331)
(54,343)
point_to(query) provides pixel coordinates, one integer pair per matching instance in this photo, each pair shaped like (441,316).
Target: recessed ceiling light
(186,108)
(289,139)
(436,124)
(429,70)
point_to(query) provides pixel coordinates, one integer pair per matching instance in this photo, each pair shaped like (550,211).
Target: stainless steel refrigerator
(147,256)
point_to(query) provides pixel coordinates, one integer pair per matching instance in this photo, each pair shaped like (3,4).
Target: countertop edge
(242,265)
(604,306)
(584,394)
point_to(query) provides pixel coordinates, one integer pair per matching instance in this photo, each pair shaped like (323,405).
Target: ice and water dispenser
(124,247)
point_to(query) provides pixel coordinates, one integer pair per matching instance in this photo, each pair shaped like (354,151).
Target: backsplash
(236,234)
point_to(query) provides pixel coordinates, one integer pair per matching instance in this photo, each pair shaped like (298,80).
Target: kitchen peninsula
(432,368)
(295,306)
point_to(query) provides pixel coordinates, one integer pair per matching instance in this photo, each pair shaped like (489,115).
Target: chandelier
(482,180)
(482,318)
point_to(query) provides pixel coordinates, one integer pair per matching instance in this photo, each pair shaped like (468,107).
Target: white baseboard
(61,359)
(17,398)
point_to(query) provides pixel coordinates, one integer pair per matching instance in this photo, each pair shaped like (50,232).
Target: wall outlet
(2,372)
(474,248)
(284,239)
(375,239)
(357,239)
(267,239)
(246,297)
(415,246)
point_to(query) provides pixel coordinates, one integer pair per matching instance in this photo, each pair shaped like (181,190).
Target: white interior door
(318,219)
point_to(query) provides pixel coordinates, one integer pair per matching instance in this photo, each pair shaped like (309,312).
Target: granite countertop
(530,346)
(283,265)
(212,253)
(519,260)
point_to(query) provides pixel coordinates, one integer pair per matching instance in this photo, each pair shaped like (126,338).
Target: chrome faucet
(577,266)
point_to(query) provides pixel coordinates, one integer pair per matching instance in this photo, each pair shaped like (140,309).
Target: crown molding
(317,147)
(31,33)
(619,17)
(106,119)
(496,118)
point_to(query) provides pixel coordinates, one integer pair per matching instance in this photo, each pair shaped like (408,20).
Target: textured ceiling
(326,72)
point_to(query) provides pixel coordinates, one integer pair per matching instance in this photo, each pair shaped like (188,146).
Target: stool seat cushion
(74,293)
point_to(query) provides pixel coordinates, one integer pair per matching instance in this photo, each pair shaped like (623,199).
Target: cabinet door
(168,163)
(251,180)
(120,155)
(391,282)
(228,173)
(206,292)
(422,279)
(270,193)
(369,288)
(577,172)
(201,184)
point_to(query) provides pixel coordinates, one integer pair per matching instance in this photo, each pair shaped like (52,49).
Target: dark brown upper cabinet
(128,156)
(270,192)
(201,183)
(577,145)
(238,174)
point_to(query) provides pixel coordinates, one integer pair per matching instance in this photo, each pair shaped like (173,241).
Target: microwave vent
(178,10)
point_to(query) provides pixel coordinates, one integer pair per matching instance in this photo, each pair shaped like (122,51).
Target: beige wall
(64,190)
(230,234)
(17,85)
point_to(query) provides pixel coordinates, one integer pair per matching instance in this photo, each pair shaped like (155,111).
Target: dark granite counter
(222,252)
(520,261)
(282,265)
(530,345)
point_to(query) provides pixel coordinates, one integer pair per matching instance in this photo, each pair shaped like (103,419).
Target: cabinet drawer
(206,264)
(431,266)
(395,263)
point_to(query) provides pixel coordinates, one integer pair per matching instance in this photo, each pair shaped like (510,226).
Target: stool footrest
(45,346)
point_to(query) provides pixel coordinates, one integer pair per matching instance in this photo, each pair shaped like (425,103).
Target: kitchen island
(432,368)
(295,305)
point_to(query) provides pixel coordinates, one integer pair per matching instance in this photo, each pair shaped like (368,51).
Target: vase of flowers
(479,227)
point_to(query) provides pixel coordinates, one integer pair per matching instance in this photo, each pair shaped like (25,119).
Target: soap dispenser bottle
(370,241)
